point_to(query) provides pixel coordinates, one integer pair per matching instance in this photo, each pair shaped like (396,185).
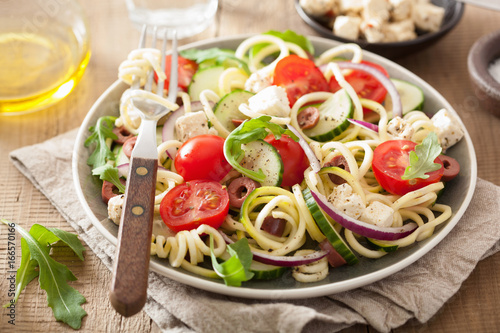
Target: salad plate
(457,195)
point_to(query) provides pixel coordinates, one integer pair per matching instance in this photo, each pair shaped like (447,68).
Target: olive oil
(39,68)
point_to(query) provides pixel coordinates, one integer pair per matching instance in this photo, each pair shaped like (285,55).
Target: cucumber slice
(206,78)
(121,158)
(412,97)
(207,63)
(227,108)
(327,229)
(262,271)
(265,271)
(116,152)
(261,155)
(159,134)
(333,115)
(381,245)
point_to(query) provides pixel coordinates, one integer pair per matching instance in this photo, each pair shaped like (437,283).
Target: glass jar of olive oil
(44,50)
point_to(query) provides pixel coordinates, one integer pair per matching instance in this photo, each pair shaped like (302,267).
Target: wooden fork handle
(129,283)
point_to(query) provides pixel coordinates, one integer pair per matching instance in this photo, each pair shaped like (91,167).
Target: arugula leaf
(109,173)
(219,56)
(237,268)
(26,271)
(251,130)
(422,158)
(64,300)
(27,268)
(100,132)
(51,235)
(287,36)
(43,236)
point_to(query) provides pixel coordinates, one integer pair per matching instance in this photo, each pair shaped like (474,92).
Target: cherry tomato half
(295,161)
(202,157)
(189,205)
(390,160)
(186,70)
(365,85)
(298,76)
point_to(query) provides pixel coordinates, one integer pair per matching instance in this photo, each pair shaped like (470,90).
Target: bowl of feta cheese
(390,28)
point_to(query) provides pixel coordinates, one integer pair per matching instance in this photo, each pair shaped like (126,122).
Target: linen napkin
(417,291)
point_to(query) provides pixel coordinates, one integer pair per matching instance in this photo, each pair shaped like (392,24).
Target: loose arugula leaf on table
(26,272)
(288,36)
(109,173)
(51,235)
(237,268)
(102,131)
(422,158)
(251,130)
(64,300)
(219,56)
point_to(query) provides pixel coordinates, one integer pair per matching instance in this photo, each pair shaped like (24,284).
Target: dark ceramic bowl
(482,54)
(453,13)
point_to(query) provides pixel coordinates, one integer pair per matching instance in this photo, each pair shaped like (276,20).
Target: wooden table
(473,309)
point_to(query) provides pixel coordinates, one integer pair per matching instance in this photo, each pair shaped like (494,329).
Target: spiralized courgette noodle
(187,249)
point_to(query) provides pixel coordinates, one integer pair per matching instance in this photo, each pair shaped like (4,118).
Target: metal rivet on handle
(137,210)
(141,171)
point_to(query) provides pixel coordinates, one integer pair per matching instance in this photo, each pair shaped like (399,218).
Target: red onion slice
(397,108)
(168,132)
(360,227)
(315,165)
(285,261)
(364,124)
(123,169)
(289,261)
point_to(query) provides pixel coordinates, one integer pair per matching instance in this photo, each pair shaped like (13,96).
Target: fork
(129,283)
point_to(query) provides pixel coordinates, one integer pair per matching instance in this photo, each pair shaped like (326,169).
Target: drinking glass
(187,17)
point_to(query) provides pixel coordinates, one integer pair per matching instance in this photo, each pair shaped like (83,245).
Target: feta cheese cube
(272,101)
(428,17)
(191,125)
(400,31)
(448,128)
(378,9)
(400,129)
(373,30)
(115,205)
(318,7)
(351,6)
(347,27)
(258,81)
(345,200)
(400,9)
(378,214)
